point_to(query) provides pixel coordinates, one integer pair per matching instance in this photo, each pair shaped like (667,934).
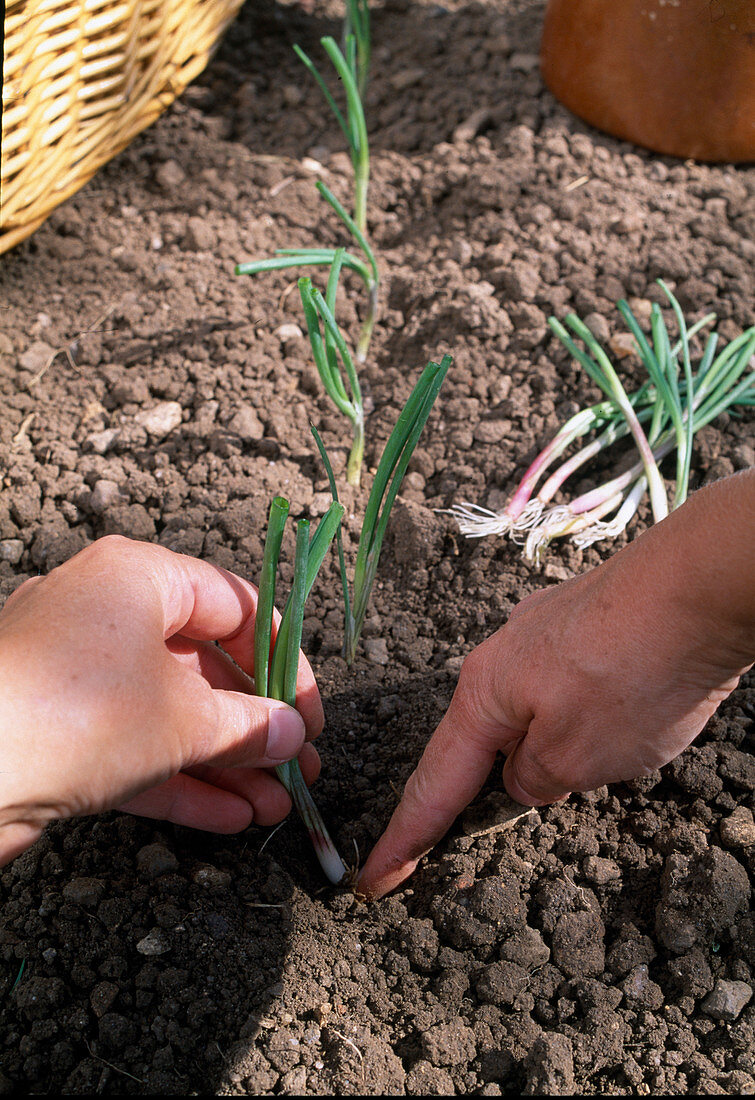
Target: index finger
(448,776)
(453,767)
(456,762)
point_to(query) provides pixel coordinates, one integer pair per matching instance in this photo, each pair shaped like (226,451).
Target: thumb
(526,776)
(234,729)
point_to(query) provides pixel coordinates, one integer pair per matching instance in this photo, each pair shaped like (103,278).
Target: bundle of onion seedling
(351,65)
(275,669)
(388,477)
(674,402)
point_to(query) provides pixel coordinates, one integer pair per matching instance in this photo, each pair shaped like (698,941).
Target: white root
(597,532)
(526,520)
(555,522)
(475,521)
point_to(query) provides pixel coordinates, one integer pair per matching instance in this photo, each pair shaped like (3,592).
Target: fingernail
(285,733)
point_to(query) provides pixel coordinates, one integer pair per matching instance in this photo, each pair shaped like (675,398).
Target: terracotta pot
(677,76)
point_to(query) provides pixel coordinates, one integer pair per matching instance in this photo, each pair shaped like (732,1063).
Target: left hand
(113,694)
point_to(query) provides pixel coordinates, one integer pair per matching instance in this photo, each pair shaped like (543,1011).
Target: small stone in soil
(11,550)
(600,870)
(376,650)
(161,419)
(211,877)
(246,425)
(738,830)
(103,495)
(154,860)
(101,442)
(288,332)
(170,175)
(727,999)
(154,943)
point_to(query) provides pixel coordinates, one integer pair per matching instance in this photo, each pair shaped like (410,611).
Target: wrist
(697,567)
(717,529)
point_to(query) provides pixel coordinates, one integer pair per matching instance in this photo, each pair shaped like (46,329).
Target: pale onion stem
(561,521)
(575,427)
(521,511)
(612,528)
(325,849)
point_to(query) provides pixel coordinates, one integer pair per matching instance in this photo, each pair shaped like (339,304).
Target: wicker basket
(81,79)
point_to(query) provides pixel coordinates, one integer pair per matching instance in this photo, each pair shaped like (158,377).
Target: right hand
(603,678)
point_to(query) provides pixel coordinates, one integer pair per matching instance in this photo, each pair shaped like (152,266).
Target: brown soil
(574,951)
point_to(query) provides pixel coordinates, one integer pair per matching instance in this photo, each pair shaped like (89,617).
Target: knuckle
(545,770)
(20,593)
(110,547)
(476,699)
(104,553)
(414,788)
(473,669)
(419,790)
(24,589)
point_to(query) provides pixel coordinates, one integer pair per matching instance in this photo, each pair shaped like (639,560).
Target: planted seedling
(388,477)
(329,349)
(351,66)
(355,130)
(357,23)
(674,402)
(276,665)
(353,125)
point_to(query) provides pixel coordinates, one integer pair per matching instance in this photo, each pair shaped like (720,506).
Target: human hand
(112,694)
(605,677)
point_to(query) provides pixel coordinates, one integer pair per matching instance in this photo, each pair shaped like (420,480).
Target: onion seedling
(276,667)
(388,477)
(351,65)
(524,509)
(355,131)
(585,515)
(327,350)
(353,125)
(357,23)
(674,402)
(602,372)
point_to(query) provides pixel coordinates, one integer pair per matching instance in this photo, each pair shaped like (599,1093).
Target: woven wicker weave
(81,79)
